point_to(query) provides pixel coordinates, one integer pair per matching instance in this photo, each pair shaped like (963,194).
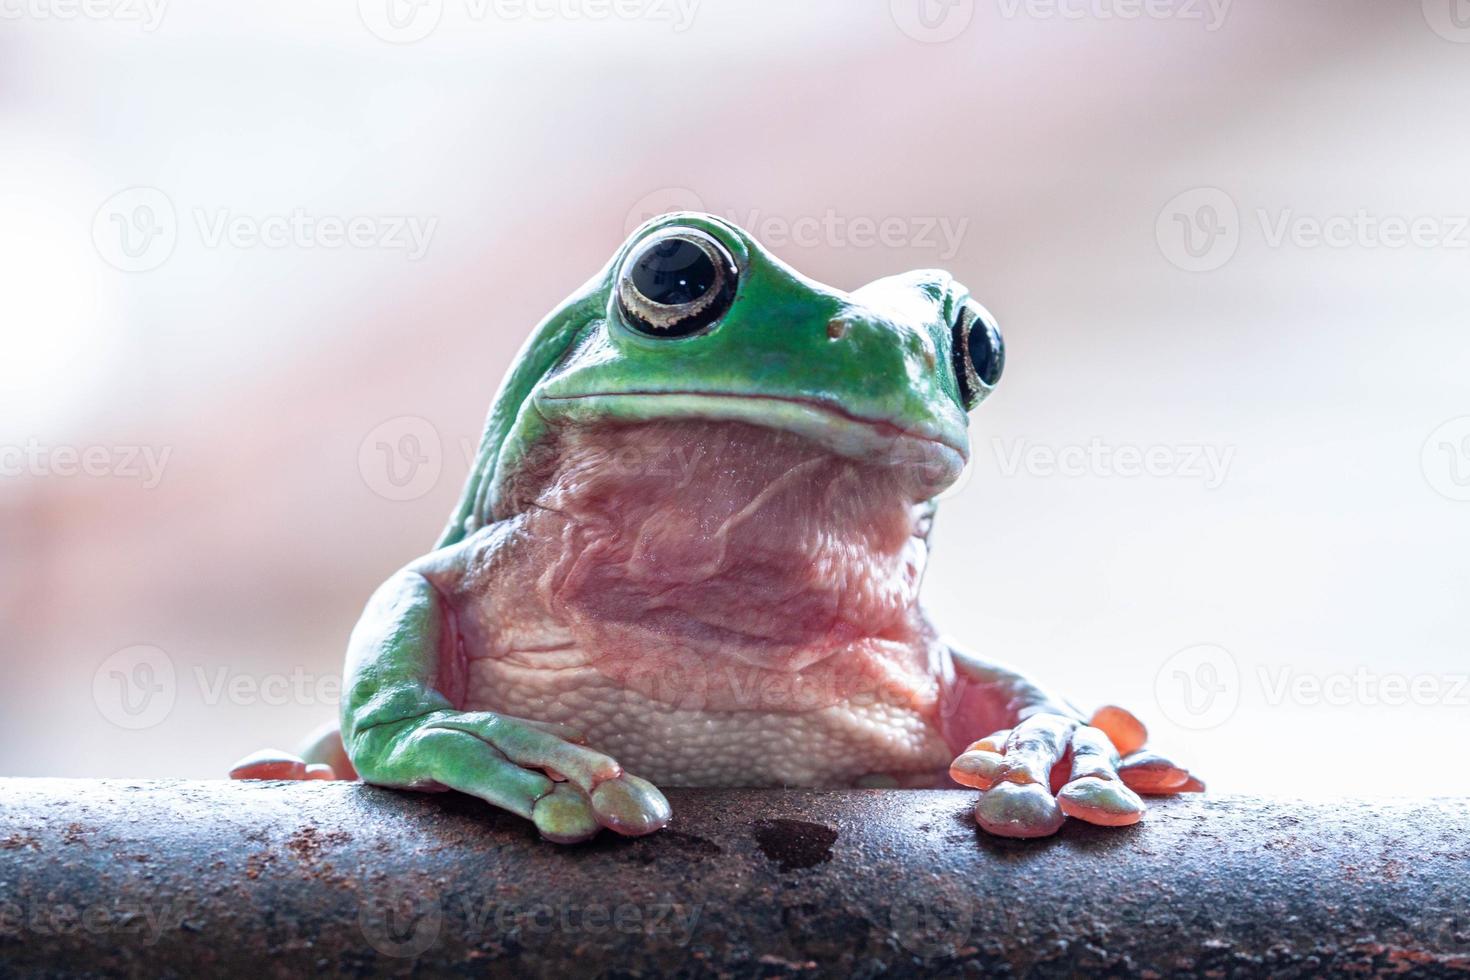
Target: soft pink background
(534,143)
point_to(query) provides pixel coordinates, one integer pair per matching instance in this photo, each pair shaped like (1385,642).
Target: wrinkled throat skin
(705,580)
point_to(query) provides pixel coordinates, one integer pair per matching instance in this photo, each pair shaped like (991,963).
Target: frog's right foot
(275,764)
(537,770)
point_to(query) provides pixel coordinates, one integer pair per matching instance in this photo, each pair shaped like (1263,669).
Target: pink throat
(720,538)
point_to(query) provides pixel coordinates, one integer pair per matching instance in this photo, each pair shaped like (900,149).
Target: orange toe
(976,769)
(1106,802)
(1122,728)
(1148,772)
(270,764)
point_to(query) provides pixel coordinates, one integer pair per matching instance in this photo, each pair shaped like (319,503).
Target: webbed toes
(1050,767)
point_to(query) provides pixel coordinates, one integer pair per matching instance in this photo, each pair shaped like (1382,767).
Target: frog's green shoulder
(553,337)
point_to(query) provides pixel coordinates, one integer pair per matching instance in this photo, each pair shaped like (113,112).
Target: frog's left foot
(1050,767)
(275,764)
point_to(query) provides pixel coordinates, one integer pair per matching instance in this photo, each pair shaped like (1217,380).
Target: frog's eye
(675,283)
(979,353)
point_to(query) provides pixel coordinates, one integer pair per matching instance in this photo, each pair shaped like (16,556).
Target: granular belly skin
(830,746)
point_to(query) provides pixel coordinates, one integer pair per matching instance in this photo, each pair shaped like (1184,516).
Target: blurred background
(264,264)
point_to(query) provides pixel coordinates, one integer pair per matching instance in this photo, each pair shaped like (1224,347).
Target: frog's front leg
(401,730)
(1043,761)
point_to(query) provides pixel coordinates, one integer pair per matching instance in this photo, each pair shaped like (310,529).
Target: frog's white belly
(831,745)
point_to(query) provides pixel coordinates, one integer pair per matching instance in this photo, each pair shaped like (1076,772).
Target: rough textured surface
(196,878)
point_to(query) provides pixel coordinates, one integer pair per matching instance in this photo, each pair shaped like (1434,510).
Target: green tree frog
(689,553)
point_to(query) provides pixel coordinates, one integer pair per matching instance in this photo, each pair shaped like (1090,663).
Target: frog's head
(694,320)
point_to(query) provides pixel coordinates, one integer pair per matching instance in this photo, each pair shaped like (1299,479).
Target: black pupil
(674,272)
(985,354)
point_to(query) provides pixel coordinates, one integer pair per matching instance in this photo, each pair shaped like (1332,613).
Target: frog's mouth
(932,461)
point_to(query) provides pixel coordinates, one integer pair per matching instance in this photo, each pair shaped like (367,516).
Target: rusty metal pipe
(182,878)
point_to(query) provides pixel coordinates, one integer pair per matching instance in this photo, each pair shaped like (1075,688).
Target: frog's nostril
(837,328)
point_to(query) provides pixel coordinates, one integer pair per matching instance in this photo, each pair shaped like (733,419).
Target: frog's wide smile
(820,419)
